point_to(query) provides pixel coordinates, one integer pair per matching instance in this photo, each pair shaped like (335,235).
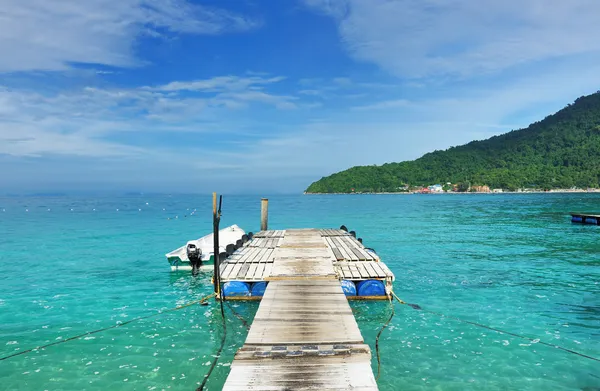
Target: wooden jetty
(585,218)
(304,335)
(304,254)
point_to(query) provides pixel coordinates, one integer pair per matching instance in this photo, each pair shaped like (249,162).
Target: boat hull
(178,259)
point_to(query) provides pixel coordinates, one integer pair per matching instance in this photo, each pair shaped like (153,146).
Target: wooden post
(264,214)
(216,276)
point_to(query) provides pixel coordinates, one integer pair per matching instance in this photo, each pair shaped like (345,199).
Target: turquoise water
(510,261)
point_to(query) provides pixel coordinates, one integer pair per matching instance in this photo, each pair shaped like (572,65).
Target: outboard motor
(343,228)
(353,233)
(239,243)
(194,254)
(244,238)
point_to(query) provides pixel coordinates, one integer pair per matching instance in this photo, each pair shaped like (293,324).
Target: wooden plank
(267,271)
(250,256)
(343,250)
(243,271)
(360,256)
(304,268)
(265,255)
(224,270)
(315,373)
(235,270)
(251,271)
(353,248)
(258,273)
(380,271)
(304,313)
(337,253)
(371,270)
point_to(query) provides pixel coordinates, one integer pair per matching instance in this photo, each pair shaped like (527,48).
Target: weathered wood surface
(270,234)
(304,312)
(336,372)
(303,337)
(326,253)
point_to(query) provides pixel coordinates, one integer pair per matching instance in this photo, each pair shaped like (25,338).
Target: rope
(218,355)
(377,340)
(108,328)
(534,340)
(246,325)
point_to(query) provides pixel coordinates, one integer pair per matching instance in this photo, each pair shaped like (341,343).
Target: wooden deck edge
(302,278)
(354,298)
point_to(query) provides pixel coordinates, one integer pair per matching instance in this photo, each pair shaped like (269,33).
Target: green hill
(561,151)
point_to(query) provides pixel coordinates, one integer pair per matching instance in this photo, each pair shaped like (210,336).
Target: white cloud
(49,35)
(220,83)
(387,104)
(462,37)
(79,122)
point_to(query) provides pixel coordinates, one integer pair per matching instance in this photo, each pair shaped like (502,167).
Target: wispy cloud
(51,35)
(462,37)
(220,83)
(82,122)
(388,104)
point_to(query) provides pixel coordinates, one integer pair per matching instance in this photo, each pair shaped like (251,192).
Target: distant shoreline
(557,191)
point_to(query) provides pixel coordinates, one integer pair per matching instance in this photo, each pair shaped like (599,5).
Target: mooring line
(246,325)
(218,355)
(109,327)
(534,340)
(377,340)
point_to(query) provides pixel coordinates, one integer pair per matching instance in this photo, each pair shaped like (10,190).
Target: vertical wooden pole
(216,276)
(264,214)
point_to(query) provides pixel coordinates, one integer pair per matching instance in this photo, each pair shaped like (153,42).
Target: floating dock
(304,254)
(304,335)
(585,218)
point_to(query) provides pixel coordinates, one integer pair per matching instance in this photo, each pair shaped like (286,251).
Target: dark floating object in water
(586,218)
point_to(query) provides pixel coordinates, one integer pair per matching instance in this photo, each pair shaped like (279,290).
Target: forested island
(560,152)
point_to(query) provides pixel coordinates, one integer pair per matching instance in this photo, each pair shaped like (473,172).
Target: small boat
(202,250)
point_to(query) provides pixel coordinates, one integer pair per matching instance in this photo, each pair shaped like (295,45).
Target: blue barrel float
(348,287)
(236,288)
(591,220)
(258,288)
(370,288)
(576,219)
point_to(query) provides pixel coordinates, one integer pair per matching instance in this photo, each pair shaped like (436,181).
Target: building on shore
(481,189)
(436,188)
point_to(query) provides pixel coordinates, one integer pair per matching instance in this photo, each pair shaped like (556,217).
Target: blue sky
(267,96)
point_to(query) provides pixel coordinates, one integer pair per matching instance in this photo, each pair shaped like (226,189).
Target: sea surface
(70,265)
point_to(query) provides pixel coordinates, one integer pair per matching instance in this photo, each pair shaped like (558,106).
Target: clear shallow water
(510,261)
